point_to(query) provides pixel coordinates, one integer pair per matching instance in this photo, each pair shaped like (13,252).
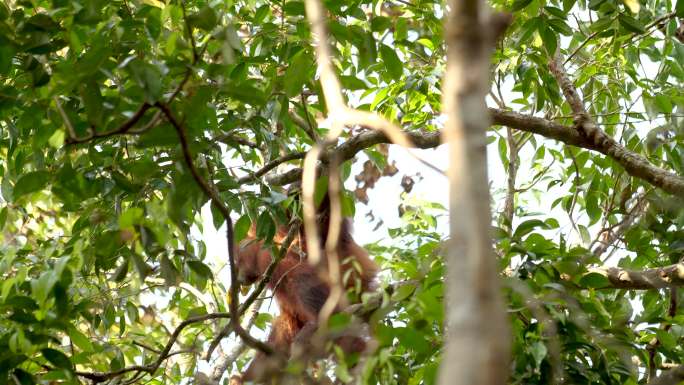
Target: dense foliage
(101,258)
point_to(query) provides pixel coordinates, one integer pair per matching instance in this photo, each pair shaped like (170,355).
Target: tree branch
(225,359)
(122,129)
(253,177)
(635,164)
(212,194)
(97,377)
(356,144)
(649,279)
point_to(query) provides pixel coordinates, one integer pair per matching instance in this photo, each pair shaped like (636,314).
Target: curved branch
(425,140)
(270,166)
(635,164)
(657,278)
(353,146)
(124,128)
(541,126)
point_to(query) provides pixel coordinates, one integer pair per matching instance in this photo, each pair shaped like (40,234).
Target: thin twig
(188,28)
(270,166)
(124,128)
(97,377)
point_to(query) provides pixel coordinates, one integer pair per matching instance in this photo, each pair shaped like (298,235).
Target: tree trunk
(476,326)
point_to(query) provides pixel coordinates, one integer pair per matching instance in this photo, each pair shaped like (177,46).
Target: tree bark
(658,278)
(477,336)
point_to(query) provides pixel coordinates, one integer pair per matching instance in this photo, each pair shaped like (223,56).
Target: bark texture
(477,334)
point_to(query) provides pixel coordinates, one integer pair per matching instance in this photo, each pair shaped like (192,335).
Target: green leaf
(294,8)
(42,22)
(520,4)
(265,227)
(298,73)
(24,378)
(631,24)
(667,339)
(261,14)
(559,13)
(131,217)
(56,139)
(595,4)
(339,321)
(4,11)
(538,351)
(594,280)
(679,8)
(527,226)
(352,83)
(427,43)
(320,190)
(79,339)
(57,358)
(3,220)
(247,93)
(41,287)
(205,19)
(548,38)
(148,77)
(664,103)
(141,266)
(593,209)
(380,23)
(121,271)
(584,234)
(200,268)
(403,293)
(31,182)
(241,228)
(169,272)
(94,104)
(6,56)
(348,204)
(391,61)
(560,26)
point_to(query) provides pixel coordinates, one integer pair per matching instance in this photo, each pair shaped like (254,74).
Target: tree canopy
(121,120)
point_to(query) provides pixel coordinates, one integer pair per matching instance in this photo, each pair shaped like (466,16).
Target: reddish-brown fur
(299,289)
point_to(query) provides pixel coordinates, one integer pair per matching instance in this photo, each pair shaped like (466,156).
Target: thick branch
(424,140)
(353,146)
(540,126)
(226,359)
(658,278)
(635,164)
